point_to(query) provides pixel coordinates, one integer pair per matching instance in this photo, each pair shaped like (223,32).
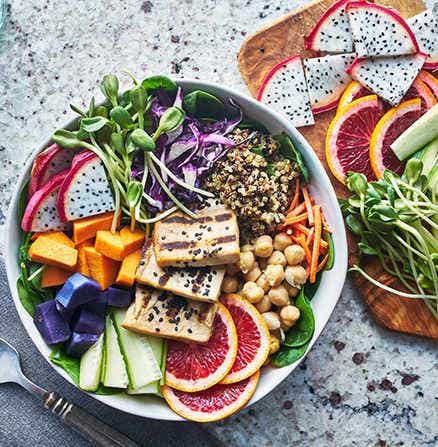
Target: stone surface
(360,385)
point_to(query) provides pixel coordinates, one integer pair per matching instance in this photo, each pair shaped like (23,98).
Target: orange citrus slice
(431,81)
(419,89)
(252,336)
(348,137)
(387,130)
(213,404)
(197,366)
(354,90)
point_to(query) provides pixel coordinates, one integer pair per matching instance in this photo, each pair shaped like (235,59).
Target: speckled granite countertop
(360,385)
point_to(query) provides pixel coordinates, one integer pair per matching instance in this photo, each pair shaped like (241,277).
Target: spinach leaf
(203,105)
(251,125)
(302,331)
(311,288)
(286,355)
(287,149)
(257,150)
(330,251)
(22,201)
(270,169)
(153,83)
(28,299)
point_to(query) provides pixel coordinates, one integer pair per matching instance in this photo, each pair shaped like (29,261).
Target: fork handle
(88,426)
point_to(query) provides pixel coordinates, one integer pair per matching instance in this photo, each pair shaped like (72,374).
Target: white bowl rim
(123,402)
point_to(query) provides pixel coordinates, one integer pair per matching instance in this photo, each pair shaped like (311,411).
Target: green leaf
(153,83)
(270,169)
(139,98)
(93,124)
(286,355)
(142,140)
(310,288)
(252,125)
(330,251)
(67,139)
(122,117)
(110,88)
(257,151)
(101,111)
(287,149)
(172,118)
(133,195)
(354,224)
(366,249)
(22,201)
(357,182)
(28,299)
(117,143)
(200,104)
(302,331)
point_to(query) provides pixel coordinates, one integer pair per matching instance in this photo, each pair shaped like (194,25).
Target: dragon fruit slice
(379,31)
(327,79)
(332,33)
(425,28)
(285,90)
(49,162)
(388,77)
(41,213)
(85,190)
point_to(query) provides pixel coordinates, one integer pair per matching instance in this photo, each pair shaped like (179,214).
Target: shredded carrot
(297,210)
(307,231)
(308,203)
(316,243)
(310,236)
(302,241)
(322,263)
(294,219)
(294,202)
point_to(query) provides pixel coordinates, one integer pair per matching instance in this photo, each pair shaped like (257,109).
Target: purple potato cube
(53,328)
(66,314)
(77,290)
(80,343)
(97,306)
(118,297)
(89,323)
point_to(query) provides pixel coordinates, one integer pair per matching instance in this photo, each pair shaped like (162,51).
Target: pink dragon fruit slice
(85,190)
(327,79)
(332,32)
(41,213)
(425,28)
(49,162)
(388,77)
(285,90)
(379,31)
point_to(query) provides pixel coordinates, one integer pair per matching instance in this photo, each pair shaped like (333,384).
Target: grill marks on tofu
(163,314)
(212,238)
(198,283)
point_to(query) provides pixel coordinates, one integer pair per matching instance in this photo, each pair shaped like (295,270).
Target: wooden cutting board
(259,53)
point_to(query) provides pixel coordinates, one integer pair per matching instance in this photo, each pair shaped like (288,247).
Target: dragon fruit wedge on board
(327,79)
(379,31)
(388,77)
(332,32)
(41,213)
(285,90)
(425,28)
(49,162)
(85,190)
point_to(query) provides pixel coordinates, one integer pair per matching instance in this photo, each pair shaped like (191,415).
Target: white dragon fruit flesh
(327,79)
(388,77)
(285,90)
(425,28)
(41,213)
(379,31)
(85,190)
(332,32)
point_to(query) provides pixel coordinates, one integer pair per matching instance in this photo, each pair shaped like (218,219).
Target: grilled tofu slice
(163,314)
(212,238)
(197,283)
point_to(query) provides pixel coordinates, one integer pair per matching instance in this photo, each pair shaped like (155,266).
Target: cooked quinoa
(258,188)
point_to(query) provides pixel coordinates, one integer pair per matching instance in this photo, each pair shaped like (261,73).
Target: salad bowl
(323,302)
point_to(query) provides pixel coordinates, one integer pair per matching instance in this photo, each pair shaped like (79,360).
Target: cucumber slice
(90,366)
(430,156)
(141,365)
(114,374)
(423,131)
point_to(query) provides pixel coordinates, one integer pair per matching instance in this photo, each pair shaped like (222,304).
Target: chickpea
(272,320)
(274,345)
(263,246)
(289,315)
(254,273)
(281,241)
(294,254)
(295,275)
(292,291)
(246,262)
(279,296)
(252,292)
(247,247)
(264,305)
(262,281)
(230,284)
(275,274)
(277,257)
(232,269)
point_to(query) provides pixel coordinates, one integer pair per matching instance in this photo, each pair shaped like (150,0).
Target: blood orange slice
(252,337)
(419,89)
(197,366)
(348,137)
(387,130)
(213,404)
(354,90)
(431,81)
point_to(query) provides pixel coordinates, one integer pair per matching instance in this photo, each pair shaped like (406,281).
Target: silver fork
(91,428)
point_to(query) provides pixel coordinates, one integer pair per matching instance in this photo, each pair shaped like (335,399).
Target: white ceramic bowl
(323,303)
